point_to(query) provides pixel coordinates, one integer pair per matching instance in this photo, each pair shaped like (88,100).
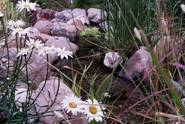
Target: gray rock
(44,26)
(96,15)
(41,14)
(60,42)
(65,30)
(37,69)
(84,20)
(64,15)
(78,12)
(138,65)
(33,32)
(54,91)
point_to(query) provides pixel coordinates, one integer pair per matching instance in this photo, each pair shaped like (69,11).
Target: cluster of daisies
(17,30)
(17,26)
(91,108)
(42,50)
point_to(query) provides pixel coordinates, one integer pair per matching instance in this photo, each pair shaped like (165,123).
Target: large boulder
(138,65)
(48,97)
(44,26)
(96,15)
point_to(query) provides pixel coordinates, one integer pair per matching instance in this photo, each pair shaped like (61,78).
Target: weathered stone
(53,91)
(44,37)
(78,24)
(44,26)
(68,14)
(37,68)
(64,15)
(60,42)
(32,32)
(65,30)
(138,65)
(41,14)
(83,19)
(96,15)
(78,12)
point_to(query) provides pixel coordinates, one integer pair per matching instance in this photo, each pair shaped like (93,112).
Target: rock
(78,12)
(37,69)
(12,54)
(44,26)
(77,23)
(64,15)
(44,37)
(68,14)
(4,61)
(112,59)
(138,65)
(96,15)
(65,30)
(20,96)
(84,20)
(33,32)
(53,93)
(40,14)
(60,42)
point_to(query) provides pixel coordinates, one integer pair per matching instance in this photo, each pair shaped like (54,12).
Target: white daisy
(72,104)
(20,96)
(112,59)
(31,43)
(20,23)
(23,52)
(46,50)
(28,6)
(1,14)
(63,53)
(19,32)
(93,110)
(137,33)
(11,24)
(183,7)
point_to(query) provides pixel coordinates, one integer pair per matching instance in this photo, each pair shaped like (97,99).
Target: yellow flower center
(93,109)
(26,5)
(72,105)
(19,29)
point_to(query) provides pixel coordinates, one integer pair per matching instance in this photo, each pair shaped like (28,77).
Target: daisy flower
(23,52)
(63,53)
(11,24)
(72,104)
(112,59)
(31,43)
(46,50)
(19,31)
(20,96)
(28,6)
(93,110)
